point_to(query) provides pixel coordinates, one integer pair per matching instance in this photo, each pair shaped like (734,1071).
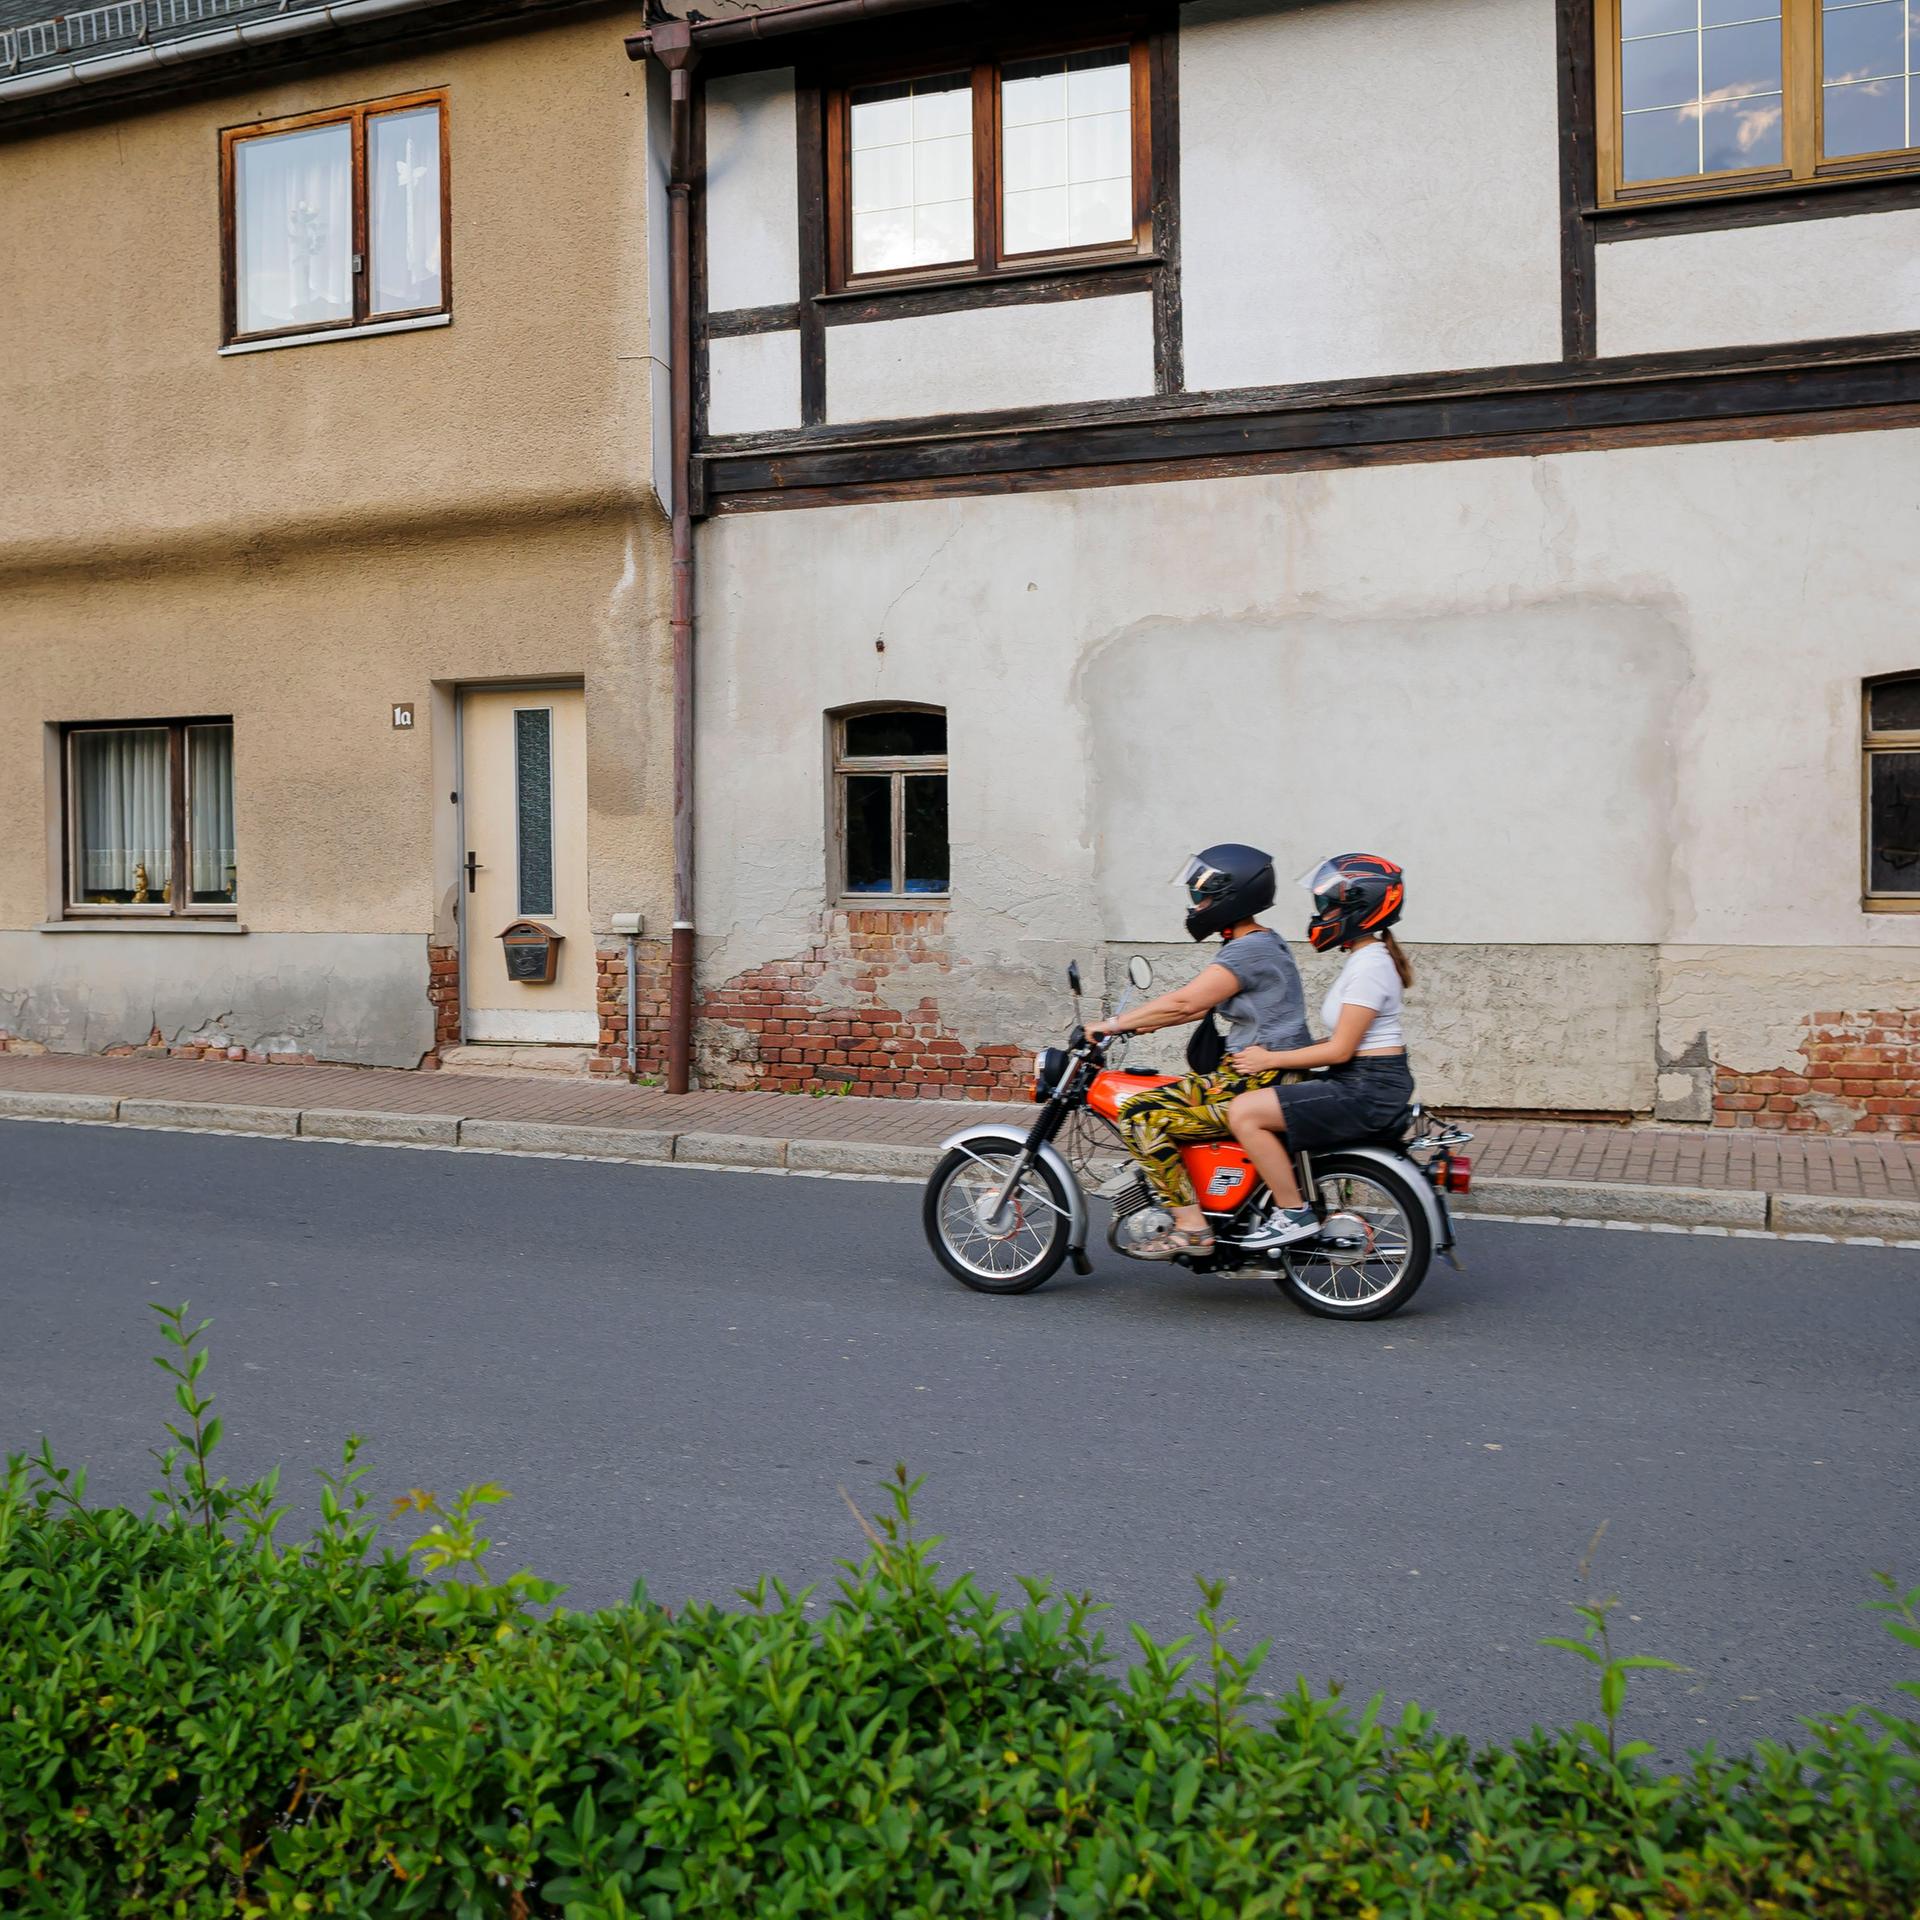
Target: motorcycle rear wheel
(1376,1250)
(1013,1254)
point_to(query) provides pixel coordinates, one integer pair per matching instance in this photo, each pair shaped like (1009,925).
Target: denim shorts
(1350,1102)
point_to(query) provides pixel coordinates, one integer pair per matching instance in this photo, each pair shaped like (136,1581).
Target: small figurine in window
(140,894)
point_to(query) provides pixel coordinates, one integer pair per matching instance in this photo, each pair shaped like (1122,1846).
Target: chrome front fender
(1050,1155)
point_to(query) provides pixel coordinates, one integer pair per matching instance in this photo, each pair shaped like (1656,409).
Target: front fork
(1046,1124)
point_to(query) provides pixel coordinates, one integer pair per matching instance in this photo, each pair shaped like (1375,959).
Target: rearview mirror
(1140,972)
(1073,978)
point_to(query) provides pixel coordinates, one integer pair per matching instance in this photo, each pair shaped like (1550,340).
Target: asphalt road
(674,1371)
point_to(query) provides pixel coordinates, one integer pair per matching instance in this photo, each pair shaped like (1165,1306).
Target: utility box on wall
(533,952)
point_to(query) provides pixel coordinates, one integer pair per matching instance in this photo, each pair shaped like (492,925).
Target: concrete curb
(1844,1217)
(731,1149)
(548,1136)
(1597,1200)
(1731,1209)
(409,1129)
(57,1106)
(282,1121)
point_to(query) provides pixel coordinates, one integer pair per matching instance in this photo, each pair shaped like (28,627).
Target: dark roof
(36,33)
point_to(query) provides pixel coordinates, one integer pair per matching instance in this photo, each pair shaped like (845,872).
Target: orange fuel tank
(1221,1174)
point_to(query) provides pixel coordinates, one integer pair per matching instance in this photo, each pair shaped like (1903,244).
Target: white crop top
(1369,979)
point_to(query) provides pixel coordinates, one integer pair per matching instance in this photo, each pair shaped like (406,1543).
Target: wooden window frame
(1803,100)
(841,764)
(1872,743)
(990,260)
(355,118)
(180,847)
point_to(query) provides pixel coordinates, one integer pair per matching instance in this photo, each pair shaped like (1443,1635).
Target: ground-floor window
(149,818)
(889,838)
(1892,781)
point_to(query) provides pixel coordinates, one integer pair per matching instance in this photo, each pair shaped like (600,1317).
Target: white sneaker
(1282,1227)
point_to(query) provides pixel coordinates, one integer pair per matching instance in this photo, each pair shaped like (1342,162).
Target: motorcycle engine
(1137,1216)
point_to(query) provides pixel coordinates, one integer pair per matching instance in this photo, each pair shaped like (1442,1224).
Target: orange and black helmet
(1354,895)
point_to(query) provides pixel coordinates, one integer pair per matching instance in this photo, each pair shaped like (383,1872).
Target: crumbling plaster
(1575,693)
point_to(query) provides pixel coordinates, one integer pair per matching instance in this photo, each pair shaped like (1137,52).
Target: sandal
(1171,1242)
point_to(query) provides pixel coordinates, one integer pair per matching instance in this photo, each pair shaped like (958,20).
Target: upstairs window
(149,818)
(890,805)
(1716,96)
(1892,794)
(992,166)
(335,220)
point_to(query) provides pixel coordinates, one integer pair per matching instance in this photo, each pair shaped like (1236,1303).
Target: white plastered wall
(1604,706)
(753,230)
(753,383)
(991,358)
(1748,286)
(1367,188)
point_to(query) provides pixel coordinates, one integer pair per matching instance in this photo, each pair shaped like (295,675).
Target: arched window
(890,804)
(1892,792)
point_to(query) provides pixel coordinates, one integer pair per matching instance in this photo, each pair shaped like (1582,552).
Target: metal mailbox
(533,952)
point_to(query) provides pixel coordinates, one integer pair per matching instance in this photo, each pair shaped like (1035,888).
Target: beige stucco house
(332,630)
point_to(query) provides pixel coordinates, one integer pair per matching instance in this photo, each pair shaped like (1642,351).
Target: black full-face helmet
(1227,884)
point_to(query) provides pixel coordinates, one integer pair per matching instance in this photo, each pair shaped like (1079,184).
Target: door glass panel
(403,209)
(533,806)
(869,802)
(293,214)
(123,817)
(1893,822)
(210,836)
(927,856)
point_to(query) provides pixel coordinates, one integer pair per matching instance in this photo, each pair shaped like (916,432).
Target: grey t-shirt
(1270,1010)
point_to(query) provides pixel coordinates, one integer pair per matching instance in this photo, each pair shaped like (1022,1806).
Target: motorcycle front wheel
(1012,1251)
(1374,1249)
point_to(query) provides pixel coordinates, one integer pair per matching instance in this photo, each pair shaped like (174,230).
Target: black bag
(1206,1046)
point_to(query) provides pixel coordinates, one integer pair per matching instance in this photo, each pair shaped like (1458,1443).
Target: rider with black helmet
(1255,987)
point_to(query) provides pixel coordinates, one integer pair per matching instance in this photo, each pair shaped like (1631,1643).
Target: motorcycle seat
(1393,1134)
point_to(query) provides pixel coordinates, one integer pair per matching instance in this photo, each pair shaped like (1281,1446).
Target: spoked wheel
(1373,1251)
(1012,1250)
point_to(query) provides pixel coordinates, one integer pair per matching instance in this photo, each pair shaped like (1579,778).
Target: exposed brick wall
(443,989)
(1858,1073)
(853,1010)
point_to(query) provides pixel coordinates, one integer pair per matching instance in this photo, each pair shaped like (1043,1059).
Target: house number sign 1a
(403,715)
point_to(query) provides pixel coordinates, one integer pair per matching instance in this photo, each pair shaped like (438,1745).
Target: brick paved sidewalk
(1646,1156)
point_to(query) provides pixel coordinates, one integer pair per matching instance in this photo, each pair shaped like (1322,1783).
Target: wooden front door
(523,787)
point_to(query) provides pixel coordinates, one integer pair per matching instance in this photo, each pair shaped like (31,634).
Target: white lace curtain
(125,810)
(210,838)
(403,170)
(294,221)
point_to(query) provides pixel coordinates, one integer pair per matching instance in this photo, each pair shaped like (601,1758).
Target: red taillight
(1459,1174)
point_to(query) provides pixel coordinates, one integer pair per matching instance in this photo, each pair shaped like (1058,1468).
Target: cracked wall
(1579,696)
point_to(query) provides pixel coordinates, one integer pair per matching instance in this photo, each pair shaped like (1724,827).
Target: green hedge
(198,1720)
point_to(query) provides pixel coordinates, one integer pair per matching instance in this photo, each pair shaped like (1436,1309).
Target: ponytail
(1401,964)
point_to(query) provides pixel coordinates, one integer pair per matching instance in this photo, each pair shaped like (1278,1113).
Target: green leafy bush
(198,1720)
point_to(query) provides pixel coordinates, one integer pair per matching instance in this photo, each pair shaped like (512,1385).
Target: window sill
(1891,904)
(365,332)
(159,923)
(1757,202)
(893,903)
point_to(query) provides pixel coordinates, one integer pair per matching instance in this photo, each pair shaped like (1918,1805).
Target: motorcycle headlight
(1048,1066)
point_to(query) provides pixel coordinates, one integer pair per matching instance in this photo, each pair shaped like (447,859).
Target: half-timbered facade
(1481,431)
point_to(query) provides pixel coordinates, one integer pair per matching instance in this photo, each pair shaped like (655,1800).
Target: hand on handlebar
(1099,1030)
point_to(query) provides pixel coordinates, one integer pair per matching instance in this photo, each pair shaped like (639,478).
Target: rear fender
(1050,1155)
(1439,1223)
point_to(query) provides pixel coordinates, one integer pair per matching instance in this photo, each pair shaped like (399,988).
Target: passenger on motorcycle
(1356,899)
(1256,987)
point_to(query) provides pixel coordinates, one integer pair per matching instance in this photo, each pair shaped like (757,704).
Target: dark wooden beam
(1503,409)
(1169,337)
(1579,183)
(811,159)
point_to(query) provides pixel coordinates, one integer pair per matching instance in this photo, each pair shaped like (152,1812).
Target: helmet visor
(1324,877)
(1201,881)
